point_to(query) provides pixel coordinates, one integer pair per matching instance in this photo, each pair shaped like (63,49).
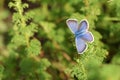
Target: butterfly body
(82,35)
(79,33)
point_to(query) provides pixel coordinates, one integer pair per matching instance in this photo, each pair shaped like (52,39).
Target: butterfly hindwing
(80,45)
(72,24)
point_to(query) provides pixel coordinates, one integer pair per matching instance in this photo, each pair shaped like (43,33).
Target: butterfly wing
(80,45)
(72,24)
(88,37)
(83,26)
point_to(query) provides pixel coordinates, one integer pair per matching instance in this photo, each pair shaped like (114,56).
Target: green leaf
(34,47)
(28,66)
(110,72)
(44,63)
(1,71)
(116,59)
(18,40)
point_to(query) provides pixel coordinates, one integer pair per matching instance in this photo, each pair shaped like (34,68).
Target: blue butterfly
(82,35)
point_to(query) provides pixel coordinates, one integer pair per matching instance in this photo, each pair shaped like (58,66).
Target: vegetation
(36,44)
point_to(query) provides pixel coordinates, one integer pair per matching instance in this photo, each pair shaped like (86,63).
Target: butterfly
(82,35)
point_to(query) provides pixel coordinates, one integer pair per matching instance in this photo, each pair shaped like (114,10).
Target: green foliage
(34,47)
(36,44)
(23,31)
(1,72)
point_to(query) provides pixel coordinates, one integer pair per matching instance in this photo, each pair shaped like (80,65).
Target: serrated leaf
(28,65)
(11,4)
(25,5)
(19,40)
(29,30)
(43,64)
(34,47)
(48,28)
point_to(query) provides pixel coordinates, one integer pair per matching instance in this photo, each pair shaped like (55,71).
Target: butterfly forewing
(72,24)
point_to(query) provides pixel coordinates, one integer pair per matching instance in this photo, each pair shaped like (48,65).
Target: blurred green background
(36,44)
